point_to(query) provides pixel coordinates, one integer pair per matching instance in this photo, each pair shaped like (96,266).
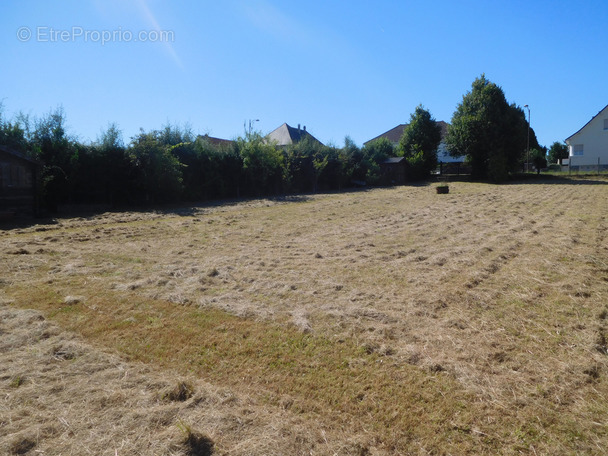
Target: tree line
(174,164)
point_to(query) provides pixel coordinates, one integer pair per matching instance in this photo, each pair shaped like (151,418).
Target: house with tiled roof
(588,147)
(393,135)
(286,135)
(443,156)
(216,141)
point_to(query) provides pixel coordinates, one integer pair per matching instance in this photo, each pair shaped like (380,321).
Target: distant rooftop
(395,134)
(286,135)
(216,141)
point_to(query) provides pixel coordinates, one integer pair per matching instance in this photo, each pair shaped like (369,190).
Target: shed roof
(10,151)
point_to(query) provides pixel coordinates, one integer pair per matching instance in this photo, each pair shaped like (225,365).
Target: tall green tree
(557,152)
(419,143)
(487,129)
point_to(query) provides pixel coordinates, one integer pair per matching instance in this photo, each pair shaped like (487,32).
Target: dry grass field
(389,321)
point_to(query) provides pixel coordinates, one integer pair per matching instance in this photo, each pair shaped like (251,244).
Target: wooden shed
(393,171)
(18,183)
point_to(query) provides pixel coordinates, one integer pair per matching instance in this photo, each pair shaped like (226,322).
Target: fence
(585,167)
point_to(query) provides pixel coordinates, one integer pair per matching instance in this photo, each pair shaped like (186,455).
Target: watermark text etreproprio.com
(44,34)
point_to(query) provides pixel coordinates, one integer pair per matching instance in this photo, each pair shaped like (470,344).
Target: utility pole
(528,145)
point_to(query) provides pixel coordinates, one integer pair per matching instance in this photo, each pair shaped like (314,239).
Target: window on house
(578,149)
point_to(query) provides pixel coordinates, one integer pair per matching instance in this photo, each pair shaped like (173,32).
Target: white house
(588,147)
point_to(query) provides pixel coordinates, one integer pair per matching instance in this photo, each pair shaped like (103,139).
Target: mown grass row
(337,381)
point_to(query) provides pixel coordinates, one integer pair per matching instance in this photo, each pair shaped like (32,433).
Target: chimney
(298,128)
(304,128)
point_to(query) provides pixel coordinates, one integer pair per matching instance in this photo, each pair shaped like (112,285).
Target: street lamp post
(251,124)
(528,144)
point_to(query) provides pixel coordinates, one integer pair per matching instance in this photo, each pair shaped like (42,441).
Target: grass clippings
(96,403)
(383,322)
(180,393)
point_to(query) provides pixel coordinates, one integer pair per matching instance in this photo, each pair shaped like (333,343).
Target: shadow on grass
(91,211)
(190,209)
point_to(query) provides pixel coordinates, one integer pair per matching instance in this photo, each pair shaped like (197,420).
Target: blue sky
(353,68)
